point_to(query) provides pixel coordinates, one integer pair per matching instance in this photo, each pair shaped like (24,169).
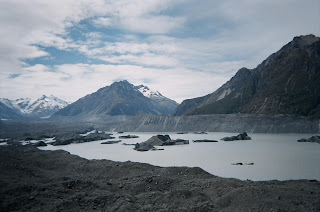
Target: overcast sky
(182,48)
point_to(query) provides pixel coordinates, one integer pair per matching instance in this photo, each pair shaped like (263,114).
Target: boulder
(128,136)
(175,142)
(312,139)
(97,137)
(204,140)
(200,133)
(158,140)
(111,142)
(242,136)
(143,147)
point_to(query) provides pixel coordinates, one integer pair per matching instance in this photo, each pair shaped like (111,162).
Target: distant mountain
(45,106)
(8,113)
(120,98)
(166,105)
(287,82)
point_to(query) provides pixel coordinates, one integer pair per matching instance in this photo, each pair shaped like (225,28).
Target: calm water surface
(275,156)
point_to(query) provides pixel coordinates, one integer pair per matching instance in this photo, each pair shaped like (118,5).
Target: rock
(204,140)
(312,139)
(128,136)
(128,144)
(67,138)
(158,140)
(142,147)
(176,142)
(237,164)
(111,142)
(89,129)
(249,164)
(156,149)
(97,136)
(241,164)
(40,143)
(73,137)
(242,136)
(200,133)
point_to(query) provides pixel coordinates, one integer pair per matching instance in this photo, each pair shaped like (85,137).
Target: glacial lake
(275,156)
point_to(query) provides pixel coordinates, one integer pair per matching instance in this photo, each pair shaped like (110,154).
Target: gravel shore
(35,180)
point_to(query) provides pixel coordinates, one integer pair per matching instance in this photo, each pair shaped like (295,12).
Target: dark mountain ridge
(120,98)
(287,82)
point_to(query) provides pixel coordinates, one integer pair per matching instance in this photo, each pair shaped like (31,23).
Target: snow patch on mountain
(46,103)
(147,92)
(43,106)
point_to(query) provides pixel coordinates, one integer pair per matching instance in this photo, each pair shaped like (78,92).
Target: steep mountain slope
(8,113)
(43,107)
(287,82)
(166,105)
(120,98)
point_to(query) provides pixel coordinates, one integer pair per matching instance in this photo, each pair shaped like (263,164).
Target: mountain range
(120,98)
(42,107)
(287,82)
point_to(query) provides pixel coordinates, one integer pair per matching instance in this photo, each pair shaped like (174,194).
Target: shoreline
(38,180)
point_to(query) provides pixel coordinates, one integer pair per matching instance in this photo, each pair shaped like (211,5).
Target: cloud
(103,22)
(86,78)
(144,59)
(152,25)
(193,47)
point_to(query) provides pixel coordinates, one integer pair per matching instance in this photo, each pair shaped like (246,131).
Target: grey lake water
(275,156)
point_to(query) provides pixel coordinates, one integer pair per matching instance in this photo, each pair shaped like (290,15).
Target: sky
(182,48)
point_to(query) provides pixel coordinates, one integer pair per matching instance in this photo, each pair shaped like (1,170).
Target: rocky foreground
(35,180)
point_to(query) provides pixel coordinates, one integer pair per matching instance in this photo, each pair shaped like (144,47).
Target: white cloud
(151,24)
(192,46)
(144,59)
(72,81)
(103,22)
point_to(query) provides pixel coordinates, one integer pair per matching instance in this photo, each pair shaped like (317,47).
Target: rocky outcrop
(204,141)
(158,140)
(242,136)
(97,137)
(241,164)
(312,139)
(128,136)
(175,142)
(111,142)
(68,138)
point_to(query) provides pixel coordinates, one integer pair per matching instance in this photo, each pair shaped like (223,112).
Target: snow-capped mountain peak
(148,92)
(45,104)
(42,107)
